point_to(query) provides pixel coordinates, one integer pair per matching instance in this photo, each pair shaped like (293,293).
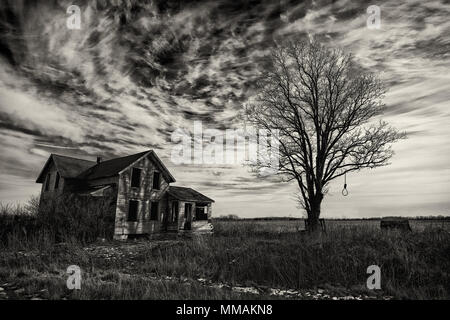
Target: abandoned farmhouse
(139,188)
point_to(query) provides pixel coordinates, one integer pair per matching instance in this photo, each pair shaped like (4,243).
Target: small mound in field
(394,223)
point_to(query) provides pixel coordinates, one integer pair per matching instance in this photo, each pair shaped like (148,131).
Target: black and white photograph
(225,157)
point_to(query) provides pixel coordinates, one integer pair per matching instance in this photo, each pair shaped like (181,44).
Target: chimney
(99,159)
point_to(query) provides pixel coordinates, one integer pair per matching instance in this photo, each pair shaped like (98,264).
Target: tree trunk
(314,214)
(313,220)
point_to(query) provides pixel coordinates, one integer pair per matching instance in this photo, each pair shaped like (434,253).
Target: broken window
(154,211)
(201,213)
(57,181)
(133,210)
(47,182)
(156,181)
(136,178)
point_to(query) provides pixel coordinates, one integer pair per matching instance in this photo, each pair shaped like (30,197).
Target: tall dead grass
(68,218)
(414,265)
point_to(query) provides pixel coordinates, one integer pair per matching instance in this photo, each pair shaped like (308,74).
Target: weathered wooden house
(139,187)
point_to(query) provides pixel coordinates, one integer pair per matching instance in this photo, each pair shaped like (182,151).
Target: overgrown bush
(66,218)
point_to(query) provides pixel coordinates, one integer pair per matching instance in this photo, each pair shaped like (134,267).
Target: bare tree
(325,109)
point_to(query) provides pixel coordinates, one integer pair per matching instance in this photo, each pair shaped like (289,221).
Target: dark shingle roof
(188,194)
(67,167)
(89,170)
(112,167)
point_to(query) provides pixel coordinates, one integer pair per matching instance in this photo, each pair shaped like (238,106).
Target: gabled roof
(115,166)
(67,167)
(111,167)
(187,194)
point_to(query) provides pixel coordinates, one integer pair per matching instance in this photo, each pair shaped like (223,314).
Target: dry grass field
(243,259)
(294,225)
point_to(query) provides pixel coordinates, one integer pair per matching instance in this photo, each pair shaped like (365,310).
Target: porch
(187,211)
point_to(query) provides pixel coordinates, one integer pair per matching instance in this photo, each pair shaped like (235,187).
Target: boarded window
(133,210)
(156,180)
(136,178)
(57,181)
(47,182)
(154,211)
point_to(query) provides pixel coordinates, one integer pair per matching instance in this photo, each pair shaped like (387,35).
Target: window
(154,211)
(201,213)
(47,182)
(136,178)
(133,210)
(156,181)
(57,181)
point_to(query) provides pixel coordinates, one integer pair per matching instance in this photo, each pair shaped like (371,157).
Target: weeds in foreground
(414,265)
(272,254)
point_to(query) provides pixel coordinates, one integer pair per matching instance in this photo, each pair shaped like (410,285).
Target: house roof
(188,194)
(117,165)
(67,167)
(111,167)
(96,191)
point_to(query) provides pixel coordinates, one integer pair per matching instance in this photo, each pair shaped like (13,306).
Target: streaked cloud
(138,70)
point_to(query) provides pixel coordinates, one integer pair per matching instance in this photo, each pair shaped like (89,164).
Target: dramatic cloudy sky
(138,70)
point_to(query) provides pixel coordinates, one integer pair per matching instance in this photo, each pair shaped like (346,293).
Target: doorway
(188,216)
(174,215)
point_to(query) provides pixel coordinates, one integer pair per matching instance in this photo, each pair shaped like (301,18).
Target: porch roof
(188,194)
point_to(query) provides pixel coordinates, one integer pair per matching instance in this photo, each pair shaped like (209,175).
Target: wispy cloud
(138,70)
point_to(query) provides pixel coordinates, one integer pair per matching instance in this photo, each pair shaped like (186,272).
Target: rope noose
(345,191)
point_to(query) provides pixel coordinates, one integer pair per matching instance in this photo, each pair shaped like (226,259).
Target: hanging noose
(345,191)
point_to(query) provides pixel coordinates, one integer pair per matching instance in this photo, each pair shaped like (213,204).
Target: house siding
(145,195)
(52,193)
